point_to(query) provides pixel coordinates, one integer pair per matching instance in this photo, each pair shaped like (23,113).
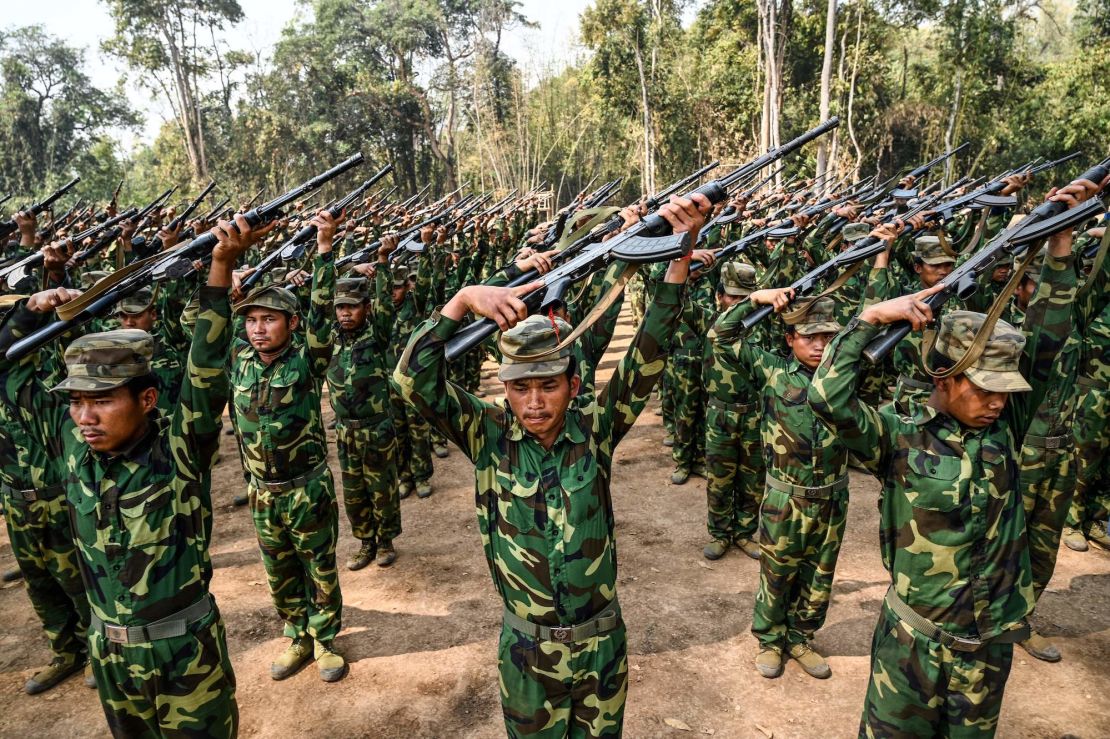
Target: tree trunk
(649,153)
(852,94)
(953,117)
(826,91)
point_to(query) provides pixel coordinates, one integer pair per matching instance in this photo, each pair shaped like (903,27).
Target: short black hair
(143,382)
(572,368)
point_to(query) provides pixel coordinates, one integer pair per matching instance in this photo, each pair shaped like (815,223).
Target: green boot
(1098,536)
(59,669)
(715,549)
(748,547)
(404,490)
(331,664)
(680,476)
(364,556)
(295,656)
(387,555)
(423,489)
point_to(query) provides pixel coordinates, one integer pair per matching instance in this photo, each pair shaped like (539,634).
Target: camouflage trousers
(414,445)
(43,547)
(182,686)
(1091,502)
(636,298)
(1047,485)
(551,690)
(369,468)
(734,463)
(688,409)
(799,544)
(920,688)
(297,531)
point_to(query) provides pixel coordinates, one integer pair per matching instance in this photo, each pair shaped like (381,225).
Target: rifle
(7,228)
(1046,219)
(361,255)
(987,195)
(406,249)
(156,243)
(604,193)
(555,230)
(5,199)
(17,271)
(495,208)
(648,240)
(171,265)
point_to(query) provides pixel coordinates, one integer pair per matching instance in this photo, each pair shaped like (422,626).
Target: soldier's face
(399,293)
(968,403)
(143,321)
(931,274)
(541,403)
(112,420)
(269,330)
(1001,273)
(351,317)
(727,301)
(808,349)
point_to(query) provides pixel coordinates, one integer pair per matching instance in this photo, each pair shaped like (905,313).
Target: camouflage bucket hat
(106,360)
(533,335)
(270,296)
(351,291)
(137,302)
(928,249)
(400,274)
(996,369)
(738,279)
(90,278)
(820,318)
(855,231)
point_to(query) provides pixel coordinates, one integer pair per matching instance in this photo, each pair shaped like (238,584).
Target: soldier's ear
(148,399)
(294,321)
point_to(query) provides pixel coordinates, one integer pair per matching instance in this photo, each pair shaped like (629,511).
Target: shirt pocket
(148,515)
(934,480)
(519,503)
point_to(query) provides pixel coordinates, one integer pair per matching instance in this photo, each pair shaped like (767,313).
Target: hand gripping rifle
(156,243)
(648,240)
(414,246)
(7,228)
(16,272)
(363,254)
(173,264)
(1046,219)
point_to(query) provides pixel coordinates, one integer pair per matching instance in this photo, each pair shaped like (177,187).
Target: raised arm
(321,312)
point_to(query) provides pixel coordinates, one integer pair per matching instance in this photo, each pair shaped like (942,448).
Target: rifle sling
(945,244)
(980,231)
(1100,256)
(73,308)
(804,304)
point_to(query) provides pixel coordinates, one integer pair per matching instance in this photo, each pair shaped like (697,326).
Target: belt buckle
(561,634)
(963,644)
(1054,442)
(28,495)
(114,633)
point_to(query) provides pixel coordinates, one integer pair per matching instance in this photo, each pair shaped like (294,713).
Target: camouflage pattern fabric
(545,516)
(685,367)
(367,462)
(735,468)
(413,433)
(1091,503)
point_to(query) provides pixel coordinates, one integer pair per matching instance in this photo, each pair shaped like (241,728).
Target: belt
(1090,382)
(819,492)
(915,384)
(354,424)
(32,494)
(284,486)
(956,643)
(1050,442)
(733,407)
(606,621)
(176,624)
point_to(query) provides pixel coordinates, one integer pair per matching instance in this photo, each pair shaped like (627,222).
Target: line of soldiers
(111,517)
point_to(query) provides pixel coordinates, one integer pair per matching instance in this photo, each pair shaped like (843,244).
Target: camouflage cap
(855,231)
(400,274)
(93,276)
(107,360)
(351,291)
(269,296)
(138,301)
(820,318)
(996,369)
(927,248)
(533,335)
(738,278)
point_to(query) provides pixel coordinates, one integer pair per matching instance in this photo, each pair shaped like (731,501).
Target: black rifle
(156,243)
(7,228)
(648,240)
(363,254)
(413,246)
(17,271)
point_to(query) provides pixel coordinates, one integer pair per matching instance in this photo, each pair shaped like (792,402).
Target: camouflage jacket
(358,377)
(168,367)
(277,406)
(952,527)
(1093,323)
(545,517)
(142,519)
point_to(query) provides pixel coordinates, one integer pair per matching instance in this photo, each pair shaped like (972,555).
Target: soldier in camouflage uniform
(139,495)
(943,646)
(276,379)
(414,449)
(358,388)
(542,467)
(733,449)
(139,311)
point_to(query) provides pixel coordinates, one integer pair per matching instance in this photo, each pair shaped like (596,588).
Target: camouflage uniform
(414,447)
(805,502)
(546,521)
(952,533)
(358,388)
(142,520)
(284,453)
(166,366)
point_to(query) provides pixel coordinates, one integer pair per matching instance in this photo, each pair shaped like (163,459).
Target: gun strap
(1100,256)
(805,304)
(983,335)
(977,237)
(591,318)
(945,244)
(70,310)
(837,240)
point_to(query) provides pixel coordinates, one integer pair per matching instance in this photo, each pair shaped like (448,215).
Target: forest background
(660,87)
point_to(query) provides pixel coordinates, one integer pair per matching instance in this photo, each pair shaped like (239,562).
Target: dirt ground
(421,636)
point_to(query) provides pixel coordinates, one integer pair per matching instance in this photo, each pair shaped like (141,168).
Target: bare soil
(421,636)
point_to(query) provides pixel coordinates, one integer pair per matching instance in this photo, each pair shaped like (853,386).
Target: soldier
(414,453)
(358,388)
(276,379)
(733,451)
(542,468)
(943,646)
(139,311)
(139,498)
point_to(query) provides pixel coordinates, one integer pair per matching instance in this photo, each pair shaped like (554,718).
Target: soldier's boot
(387,555)
(59,669)
(668,440)
(13,575)
(423,489)
(1098,536)
(680,476)
(404,489)
(364,556)
(240,500)
(812,662)
(440,450)
(296,655)
(331,664)
(1074,540)
(1041,648)
(715,549)
(698,470)
(90,678)
(769,662)
(748,547)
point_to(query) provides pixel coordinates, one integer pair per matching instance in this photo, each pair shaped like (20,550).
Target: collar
(796,366)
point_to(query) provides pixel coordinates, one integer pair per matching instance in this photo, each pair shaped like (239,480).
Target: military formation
(791,331)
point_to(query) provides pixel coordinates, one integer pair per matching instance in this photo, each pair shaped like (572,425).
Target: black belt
(1062,441)
(913,383)
(176,624)
(284,486)
(354,424)
(30,495)
(733,407)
